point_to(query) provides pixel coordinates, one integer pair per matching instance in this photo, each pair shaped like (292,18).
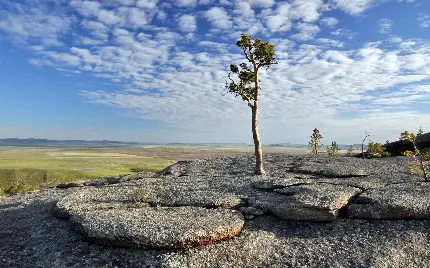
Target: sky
(155,71)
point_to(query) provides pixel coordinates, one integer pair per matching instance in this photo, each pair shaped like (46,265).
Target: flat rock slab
(112,197)
(96,199)
(393,202)
(159,228)
(310,202)
(337,170)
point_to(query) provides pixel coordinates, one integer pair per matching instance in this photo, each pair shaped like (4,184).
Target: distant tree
(243,81)
(420,132)
(333,150)
(315,142)
(350,151)
(362,144)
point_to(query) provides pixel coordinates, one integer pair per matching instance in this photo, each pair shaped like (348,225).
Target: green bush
(376,150)
(333,150)
(350,151)
(13,181)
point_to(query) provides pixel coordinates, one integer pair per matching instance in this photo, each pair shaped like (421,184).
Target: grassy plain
(26,169)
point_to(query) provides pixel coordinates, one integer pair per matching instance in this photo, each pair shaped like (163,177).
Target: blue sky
(153,71)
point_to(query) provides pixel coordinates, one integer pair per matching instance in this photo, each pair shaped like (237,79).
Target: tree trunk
(257,143)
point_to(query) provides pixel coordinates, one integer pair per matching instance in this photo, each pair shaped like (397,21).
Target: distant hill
(63,143)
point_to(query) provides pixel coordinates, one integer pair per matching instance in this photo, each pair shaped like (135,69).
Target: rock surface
(159,228)
(393,202)
(31,236)
(309,202)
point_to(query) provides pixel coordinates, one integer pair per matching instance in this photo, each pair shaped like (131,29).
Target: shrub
(333,150)
(350,151)
(376,150)
(420,156)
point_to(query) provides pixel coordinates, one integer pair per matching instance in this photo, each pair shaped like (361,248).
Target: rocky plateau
(306,212)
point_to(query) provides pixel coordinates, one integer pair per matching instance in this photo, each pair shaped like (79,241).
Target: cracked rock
(311,202)
(159,228)
(393,202)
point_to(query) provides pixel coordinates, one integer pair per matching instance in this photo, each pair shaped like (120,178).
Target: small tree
(419,156)
(376,150)
(362,144)
(333,150)
(259,55)
(315,143)
(350,151)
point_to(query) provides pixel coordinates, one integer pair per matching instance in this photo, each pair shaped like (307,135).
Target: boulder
(159,228)
(309,202)
(393,202)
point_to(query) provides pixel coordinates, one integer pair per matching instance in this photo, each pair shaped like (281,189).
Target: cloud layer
(168,61)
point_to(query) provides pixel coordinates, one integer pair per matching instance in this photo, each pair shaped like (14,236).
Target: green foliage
(333,150)
(420,132)
(13,181)
(260,55)
(350,151)
(408,136)
(421,158)
(376,150)
(315,142)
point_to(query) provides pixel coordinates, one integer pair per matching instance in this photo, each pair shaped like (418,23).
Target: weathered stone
(251,211)
(397,201)
(312,202)
(96,199)
(274,183)
(113,197)
(159,228)
(178,169)
(332,170)
(31,237)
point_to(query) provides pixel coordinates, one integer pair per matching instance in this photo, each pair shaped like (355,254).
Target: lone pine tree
(315,143)
(243,81)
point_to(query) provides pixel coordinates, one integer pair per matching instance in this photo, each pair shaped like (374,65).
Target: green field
(26,169)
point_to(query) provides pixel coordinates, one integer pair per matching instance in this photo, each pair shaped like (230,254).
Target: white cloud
(29,23)
(185,3)
(259,3)
(108,17)
(306,31)
(329,22)
(354,7)
(306,10)
(187,23)
(385,26)
(162,68)
(424,20)
(149,4)
(86,8)
(280,21)
(219,18)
